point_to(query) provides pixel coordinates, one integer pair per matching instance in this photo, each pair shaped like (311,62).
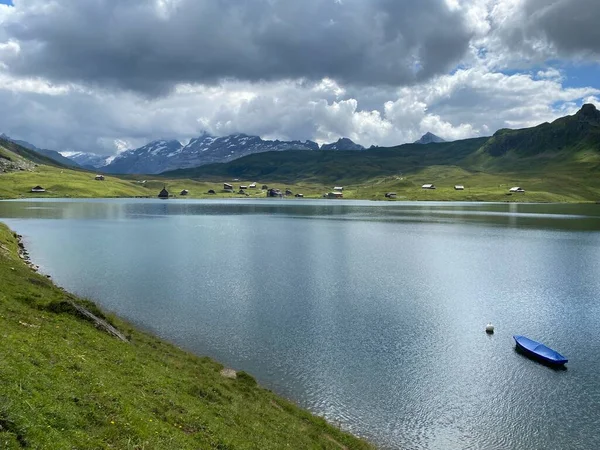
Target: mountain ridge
(52,154)
(164,155)
(429,138)
(570,142)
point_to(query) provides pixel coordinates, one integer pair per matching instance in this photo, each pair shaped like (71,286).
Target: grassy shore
(558,186)
(67,383)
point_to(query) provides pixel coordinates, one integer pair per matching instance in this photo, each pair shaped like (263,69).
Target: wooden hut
(38,189)
(164,193)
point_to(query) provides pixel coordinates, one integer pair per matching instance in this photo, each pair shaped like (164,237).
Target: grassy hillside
(10,148)
(65,383)
(66,183)
(557,140)
(327,167)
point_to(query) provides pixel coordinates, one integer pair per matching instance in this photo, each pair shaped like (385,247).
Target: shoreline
(332,201)
(266,410)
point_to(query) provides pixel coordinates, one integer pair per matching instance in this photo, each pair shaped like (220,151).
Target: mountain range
(160,156)
(569,145)
(90,161)
(163,155)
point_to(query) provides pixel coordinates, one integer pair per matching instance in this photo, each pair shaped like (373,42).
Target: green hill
(561,138)
(22,168)
(340,166)
(8,147)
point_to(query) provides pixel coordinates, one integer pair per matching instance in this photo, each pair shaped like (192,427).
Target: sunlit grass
(66,384)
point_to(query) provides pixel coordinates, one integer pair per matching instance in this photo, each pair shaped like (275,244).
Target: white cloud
(501,82)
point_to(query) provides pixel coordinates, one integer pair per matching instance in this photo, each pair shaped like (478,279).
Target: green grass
(567,183)
(66,384)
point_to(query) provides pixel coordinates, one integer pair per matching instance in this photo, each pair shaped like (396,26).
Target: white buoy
(489,328)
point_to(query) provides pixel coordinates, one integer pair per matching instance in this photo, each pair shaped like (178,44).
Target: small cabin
(338,188)
(211,192)
(335,195)
(459,187)
(390,195)
(38,189)
(516,189)
(99,178)
(288,192)
(164,193)
(428,186)
(243,188)
(299,195)
(227,186)
(274,193)
(184,192)
(252,186)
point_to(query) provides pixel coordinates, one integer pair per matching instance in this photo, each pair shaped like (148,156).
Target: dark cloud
(148,46)
(572,27)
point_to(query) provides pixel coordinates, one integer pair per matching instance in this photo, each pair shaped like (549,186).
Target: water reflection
(369,314)
(582,217)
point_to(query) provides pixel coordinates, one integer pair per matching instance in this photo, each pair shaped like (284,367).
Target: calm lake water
(369,314)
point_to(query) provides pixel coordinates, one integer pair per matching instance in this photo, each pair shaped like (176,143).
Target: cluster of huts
(229,188)
(164,194)
(338,192)
(457,187)
(460,187)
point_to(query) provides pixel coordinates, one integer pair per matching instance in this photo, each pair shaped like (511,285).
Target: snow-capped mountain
(342,144)
(160,156)
(155,157)
(429,138)
(89,161)
(163,155)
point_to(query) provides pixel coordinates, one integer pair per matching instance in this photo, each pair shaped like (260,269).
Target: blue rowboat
(539,351)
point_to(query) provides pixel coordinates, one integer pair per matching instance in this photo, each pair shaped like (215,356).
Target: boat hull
(539,351)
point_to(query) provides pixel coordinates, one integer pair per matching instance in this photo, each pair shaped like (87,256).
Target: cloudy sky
(106,75)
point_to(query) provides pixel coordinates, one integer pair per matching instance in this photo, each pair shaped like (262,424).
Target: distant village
(336,193)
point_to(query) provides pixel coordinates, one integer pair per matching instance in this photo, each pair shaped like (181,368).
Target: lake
(371,314)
